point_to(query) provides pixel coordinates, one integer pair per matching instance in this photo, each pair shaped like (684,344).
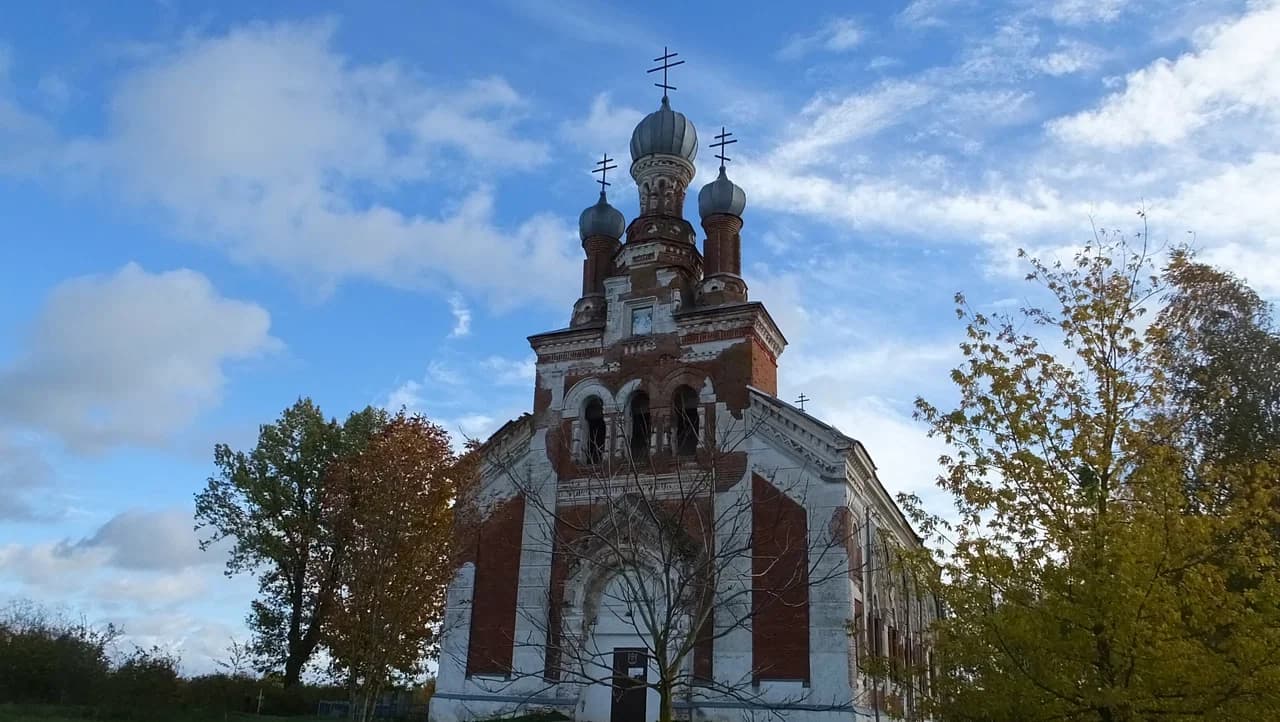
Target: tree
(674,549)
(1078,582)
(1222,352)
(393,504)
(268,501)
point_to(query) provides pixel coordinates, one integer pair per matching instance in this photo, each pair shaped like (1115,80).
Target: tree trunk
(293,666)
(664,700)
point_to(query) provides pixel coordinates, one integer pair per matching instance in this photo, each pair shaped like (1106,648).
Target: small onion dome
(601,219)
(721,196)
(664,131)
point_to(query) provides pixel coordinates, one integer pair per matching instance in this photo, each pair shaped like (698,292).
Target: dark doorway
(630,674)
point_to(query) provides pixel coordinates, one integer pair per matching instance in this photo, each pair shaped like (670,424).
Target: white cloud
(924,13)
(827,122)
(1233,71)
(128,358)
(511,372)
(461,316)
(1083,12)
(407,395)
(835,36)
(1070,57)
(269,143)
(155,540)
(606,127)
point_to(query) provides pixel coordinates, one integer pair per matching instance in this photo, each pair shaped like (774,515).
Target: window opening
(640,424)
(686,415)
(595,436)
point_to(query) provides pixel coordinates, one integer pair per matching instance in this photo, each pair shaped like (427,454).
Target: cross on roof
(802,400)
(722,140)
(666,65)
(603,168)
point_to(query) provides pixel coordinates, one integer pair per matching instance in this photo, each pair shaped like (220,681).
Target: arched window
(594,429)
(685,412)
(640,424)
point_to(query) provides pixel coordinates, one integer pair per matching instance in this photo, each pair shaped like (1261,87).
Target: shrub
(45,658)
(144,685)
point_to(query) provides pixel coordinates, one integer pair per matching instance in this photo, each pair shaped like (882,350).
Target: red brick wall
(493,611)
(780,597)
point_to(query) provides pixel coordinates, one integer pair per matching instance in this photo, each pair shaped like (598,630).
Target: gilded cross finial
(603,167)
(722,140)
(666,65)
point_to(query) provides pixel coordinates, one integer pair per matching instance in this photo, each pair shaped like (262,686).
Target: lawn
(53,713)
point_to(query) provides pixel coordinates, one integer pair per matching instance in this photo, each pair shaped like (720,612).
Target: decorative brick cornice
(745,317)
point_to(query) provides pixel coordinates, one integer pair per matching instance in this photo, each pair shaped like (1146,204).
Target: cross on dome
(603,168)
(666,64)
(722,140)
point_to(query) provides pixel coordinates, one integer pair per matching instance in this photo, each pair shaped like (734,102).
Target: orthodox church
(662,532)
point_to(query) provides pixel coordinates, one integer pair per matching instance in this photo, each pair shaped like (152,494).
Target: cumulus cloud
(1234,70)
(152,540)
(128,358)
(269,143)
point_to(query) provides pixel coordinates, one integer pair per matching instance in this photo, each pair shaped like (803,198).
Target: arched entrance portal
(619,659)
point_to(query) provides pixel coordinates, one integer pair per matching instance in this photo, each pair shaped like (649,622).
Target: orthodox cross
(664,67)
(722,140)
(802,399)
(603,170)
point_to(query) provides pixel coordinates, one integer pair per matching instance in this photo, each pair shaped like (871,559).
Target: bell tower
(663,330)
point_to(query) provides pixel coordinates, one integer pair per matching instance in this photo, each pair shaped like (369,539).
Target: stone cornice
(568,340)
(750,314)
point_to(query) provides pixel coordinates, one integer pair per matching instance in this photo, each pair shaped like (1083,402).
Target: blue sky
(210,209)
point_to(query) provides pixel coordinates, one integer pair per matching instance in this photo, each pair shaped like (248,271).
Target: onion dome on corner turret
(721,196)
(664,132)
(601,219)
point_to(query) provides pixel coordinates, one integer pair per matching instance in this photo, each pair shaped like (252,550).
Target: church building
(662,537)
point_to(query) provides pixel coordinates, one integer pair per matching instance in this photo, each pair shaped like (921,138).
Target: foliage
(1222,352)
(46,658)
(393,504)
(268,501)
(1078,580)
(144,684)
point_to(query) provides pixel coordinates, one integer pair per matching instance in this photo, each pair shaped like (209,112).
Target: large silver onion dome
(721,196)
(664,131)
(601,219)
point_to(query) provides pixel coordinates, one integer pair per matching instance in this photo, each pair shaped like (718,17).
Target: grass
(54,713)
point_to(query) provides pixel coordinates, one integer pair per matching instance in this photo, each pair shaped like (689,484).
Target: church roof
(853,449)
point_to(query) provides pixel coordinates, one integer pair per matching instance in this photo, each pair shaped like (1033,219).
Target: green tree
(1077,580)
(1222,352)
(268,502)
(394,504)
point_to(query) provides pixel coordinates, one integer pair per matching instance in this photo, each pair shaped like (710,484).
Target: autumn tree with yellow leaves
(1112,553)
(393,503)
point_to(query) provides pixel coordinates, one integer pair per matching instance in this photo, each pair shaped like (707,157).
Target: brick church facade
(661,513)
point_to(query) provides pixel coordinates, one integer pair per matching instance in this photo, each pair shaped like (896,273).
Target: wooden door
(630,673)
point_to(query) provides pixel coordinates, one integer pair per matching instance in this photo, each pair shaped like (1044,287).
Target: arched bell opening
(641,424)
(595,435)
(685,414)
